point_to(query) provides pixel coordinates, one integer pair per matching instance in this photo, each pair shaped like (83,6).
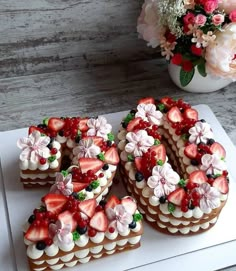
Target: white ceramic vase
(198,84)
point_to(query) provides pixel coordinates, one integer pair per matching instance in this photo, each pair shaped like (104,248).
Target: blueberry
(102,203)
(42,126)
(105,167)
(191,206)
(49,146)
(133,112)
(162,199)
(75,195)
(210,141)
(202,120)
(31,219)
(124,125)
(77,139)
(61,133)
(89,188)
(109,143)
(138,176)
(132,225)
(41,245)
(194,162)
(81,230)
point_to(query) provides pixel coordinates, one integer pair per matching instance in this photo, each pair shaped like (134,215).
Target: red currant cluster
(142,125)
(183,126)
(72,204)
(88,177)
(148,162)
(153,131)
(71,127)
(191,198)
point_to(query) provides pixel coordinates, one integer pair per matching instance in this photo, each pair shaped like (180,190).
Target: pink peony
(147,27)
(218,19)
(220,54)
(227,5)
(232,15)
(200,20)
(210,6)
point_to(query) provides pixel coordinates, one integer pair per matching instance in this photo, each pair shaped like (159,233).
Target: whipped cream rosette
(173,166)
(57,143)
(67,229)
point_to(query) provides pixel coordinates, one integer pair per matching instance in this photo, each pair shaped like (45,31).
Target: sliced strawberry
(67,218)
(191,113)
(99,221)
(218,149)
(79,186)
(37,233)
(132,124)
(147,100)
(176,196)
(112,157)
(166,101)
(112,202)
(129,204)
(191,151)
(198,176)
(35,128)
(83,127)
(88,207)
(55,202)
(87,164)
(174,114)
(221,184)
(160,151)
(97,140)
(56,124)
(138,163)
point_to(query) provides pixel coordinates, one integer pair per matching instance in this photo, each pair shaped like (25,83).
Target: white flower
(163,180)
(62,232)
(34,147)
(212,164)
(86,148)
(209,197)
(98,127)
(200,132)
(149,113)
(120,217)
(139,142)
(62,185)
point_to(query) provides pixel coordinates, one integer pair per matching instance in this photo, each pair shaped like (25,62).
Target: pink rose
(218,19)
(232,16)
(210,6)
(200,20)
(189,18)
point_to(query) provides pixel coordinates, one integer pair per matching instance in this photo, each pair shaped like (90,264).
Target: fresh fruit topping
(191,113)
(48,241)
(56,124)
(112,202)
(99,221)
(83,127)
(53,151)
(132,225)
(105,167)
(67,218)
(37,232)
(191,151)
(97,140)
(111,156)
(92,232)
(79,186)
(42,161)
(41,245)
(35,128)
(111,229)
(55,202)
(132,124)
(88,207)
(31,219)
(138,163)
(87,164)
(81,230)
(139,176)
(167,101)
(218,149)
(177,196)
(162,199)
(129,204)
(160,152)
(221,183)
(174,114)
(147,100)
(198,176)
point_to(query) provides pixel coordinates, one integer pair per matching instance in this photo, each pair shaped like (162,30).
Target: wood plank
(99,90)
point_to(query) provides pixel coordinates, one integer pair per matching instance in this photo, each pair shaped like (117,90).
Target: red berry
(195,202)
(92,232)
(77,216)
(39,216)
(82,223)
(48,241)
(99,208)
(101,175)
(195,195)
(54,151)
(184,208)
(42,161)
(111,229)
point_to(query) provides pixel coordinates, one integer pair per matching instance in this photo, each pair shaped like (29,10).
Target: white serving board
(157,250)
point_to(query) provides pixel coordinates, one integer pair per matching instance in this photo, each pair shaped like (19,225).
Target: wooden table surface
(83,57)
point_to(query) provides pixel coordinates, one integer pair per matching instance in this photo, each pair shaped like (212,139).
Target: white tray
(200,252)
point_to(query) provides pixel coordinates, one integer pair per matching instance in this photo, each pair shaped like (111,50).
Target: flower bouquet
(193,34)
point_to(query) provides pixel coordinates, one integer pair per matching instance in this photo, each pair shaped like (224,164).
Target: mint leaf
(186,77)
(101,156)
(137,217)
(111,137)
(130,158)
